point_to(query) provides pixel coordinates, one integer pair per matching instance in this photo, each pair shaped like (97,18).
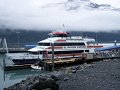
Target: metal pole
(52,56)
(18,38)
(115,42)
(96,38)
(4,64)
(4,53)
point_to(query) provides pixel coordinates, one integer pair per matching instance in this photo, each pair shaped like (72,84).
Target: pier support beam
(52,56)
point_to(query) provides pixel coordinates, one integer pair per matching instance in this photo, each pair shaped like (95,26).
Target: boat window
(18,51)
(66,52)
(36,53)
(44,44)
(63,44)
(90,43)
(60,35)
(69,44)
(86,50)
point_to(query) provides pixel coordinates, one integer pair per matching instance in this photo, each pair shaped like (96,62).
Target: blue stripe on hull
(25,61)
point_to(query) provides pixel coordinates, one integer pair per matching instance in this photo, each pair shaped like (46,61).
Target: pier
(47,64)
(100,54)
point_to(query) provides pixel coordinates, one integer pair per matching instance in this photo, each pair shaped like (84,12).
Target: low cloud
(30,15)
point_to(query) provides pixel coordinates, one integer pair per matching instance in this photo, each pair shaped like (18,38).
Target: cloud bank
(51,14)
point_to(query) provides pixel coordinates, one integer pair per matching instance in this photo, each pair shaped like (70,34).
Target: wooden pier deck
(61,61)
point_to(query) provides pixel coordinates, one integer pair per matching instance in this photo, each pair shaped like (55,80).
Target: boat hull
(25,61)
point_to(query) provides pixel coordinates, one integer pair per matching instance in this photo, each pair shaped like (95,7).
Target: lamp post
(52,56)
(96,38)
(115,42)
(18,39)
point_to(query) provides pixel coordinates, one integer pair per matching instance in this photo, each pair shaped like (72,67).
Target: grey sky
(47,15)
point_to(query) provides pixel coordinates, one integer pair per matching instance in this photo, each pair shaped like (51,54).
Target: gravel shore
(102,75)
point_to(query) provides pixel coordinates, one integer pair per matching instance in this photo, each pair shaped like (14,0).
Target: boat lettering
(26,56)
(65,47)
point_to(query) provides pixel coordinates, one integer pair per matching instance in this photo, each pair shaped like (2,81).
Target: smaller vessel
(36,67)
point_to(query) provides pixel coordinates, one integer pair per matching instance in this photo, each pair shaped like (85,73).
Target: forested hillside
(32,37)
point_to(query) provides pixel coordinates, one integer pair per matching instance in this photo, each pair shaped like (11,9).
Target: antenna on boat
(63,25)
(96,37)
(63,28)
(81,34)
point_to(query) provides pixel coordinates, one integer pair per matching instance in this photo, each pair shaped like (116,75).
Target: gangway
(108,52)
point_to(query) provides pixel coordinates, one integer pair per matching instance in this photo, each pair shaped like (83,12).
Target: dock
(69,61)
(100,54)
(48,63)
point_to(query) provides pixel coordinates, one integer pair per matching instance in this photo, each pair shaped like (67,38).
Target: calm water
(9,78)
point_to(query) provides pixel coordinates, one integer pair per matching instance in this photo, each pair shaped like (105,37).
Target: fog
(52,14)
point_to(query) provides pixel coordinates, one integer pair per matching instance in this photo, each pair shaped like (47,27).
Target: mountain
(25,37)
(82,4)
(51,14)
(32,37)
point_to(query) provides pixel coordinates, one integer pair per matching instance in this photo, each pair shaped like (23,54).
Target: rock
(66,78)
(61,77)
(74,71)
(36,83)
(68,70)
(47,89)
(50,83)
(55,78)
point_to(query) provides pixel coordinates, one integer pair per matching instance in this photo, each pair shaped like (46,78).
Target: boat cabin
(59,34)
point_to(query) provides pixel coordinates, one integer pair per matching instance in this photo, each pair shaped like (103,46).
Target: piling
(52,56)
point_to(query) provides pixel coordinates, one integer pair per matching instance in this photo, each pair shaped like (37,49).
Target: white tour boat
(65,46)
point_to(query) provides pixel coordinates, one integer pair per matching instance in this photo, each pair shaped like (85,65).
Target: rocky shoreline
(50,81)
(102,75)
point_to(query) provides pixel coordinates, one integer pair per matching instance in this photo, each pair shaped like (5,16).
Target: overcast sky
(47,15)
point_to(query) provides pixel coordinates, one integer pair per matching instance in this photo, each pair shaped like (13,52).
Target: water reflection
(9,78)
(19,74)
